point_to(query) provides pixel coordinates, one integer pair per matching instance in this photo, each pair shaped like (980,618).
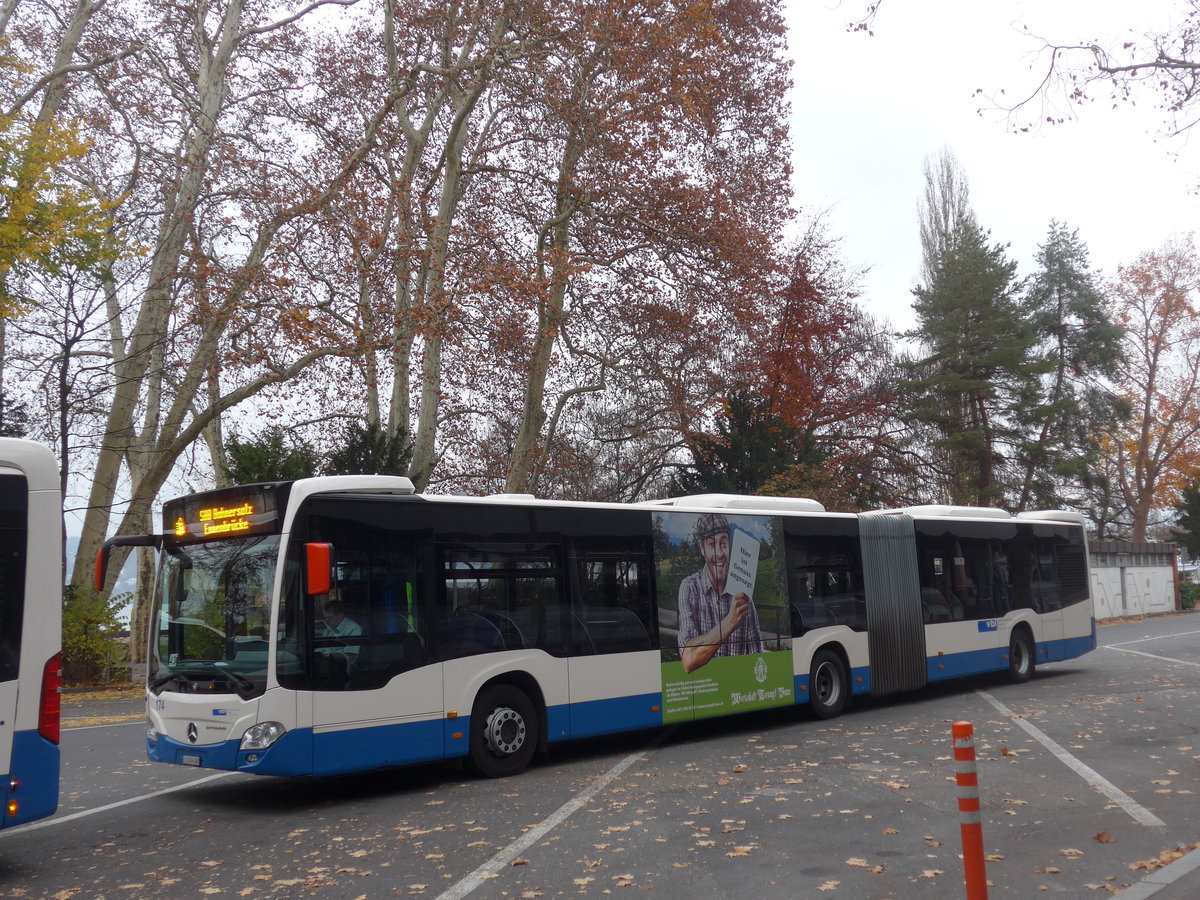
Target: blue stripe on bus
(1068,648)
(617,714)
(35,763)
(402,744)
(290,755)
(995,659)
(973,662)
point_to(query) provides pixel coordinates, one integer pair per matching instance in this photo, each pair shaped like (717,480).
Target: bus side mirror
(319,574)
(101,567)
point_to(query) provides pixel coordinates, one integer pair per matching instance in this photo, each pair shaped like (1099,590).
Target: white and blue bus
(30,630)
(343,624)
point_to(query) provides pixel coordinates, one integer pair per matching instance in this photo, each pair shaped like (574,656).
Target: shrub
(89,635)
(1189,594)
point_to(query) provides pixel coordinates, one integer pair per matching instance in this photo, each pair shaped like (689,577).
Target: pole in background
(971,823)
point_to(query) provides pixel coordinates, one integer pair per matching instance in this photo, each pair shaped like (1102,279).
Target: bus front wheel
(828,684)
(504,731)
(1021,659)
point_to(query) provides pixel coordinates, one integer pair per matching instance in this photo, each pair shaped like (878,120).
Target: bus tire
(1021,658)
(504,731)
(828,684)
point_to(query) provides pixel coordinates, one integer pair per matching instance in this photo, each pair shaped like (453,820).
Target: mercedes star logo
(193,732)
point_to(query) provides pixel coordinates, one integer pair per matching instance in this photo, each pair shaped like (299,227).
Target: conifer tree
(975,367)
(1187,531)
(273,456)
(1078,348)
(751,445)
(369,449)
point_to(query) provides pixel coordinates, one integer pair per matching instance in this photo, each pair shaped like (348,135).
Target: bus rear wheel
(1021,660)
(828,684)
(504,731)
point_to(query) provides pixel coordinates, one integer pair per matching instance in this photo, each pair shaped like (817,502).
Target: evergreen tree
(751,445)
(13,417)
(273,456)
(1078,349)
(976,368)
(1187,531)
(370,450)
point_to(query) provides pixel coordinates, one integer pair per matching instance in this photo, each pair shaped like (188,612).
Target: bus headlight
(262,735)
(151,733)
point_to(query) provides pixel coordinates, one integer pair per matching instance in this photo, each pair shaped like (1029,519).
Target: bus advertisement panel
(718,581)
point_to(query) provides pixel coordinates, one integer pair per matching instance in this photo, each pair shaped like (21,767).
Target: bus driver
(340,658)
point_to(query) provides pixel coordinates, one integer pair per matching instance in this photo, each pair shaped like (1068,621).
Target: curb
(1164,877)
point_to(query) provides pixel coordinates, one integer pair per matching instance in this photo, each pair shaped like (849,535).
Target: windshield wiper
(246,683)
(245,687)
(164,680)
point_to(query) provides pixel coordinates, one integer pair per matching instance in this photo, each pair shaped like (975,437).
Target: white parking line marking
(1157,637)
(33,826)
(531,837)
(1087,773)
(1182,662)
(65,727)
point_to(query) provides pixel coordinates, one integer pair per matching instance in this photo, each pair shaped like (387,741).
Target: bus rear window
(14,529)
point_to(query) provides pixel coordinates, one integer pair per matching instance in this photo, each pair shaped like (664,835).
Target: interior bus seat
(956,608)
(613,629)
(466,633)
(936,607)
(808,615)
(581,640)
(511,637)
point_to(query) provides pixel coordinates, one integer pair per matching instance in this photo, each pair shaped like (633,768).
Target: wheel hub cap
(504,731)
(827,686)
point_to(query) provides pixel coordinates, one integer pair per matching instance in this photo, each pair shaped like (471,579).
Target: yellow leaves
(47,221)
(1104,838)
(1163,859)
(829,886)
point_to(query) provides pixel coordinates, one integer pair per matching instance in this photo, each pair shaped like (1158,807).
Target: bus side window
(613,612)
(500,597)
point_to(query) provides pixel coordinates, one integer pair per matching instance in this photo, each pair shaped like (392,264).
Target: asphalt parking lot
(1088,778)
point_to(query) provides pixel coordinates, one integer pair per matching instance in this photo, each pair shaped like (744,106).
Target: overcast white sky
(866,111)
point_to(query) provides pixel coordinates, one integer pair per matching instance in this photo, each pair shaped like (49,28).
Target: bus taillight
(51,706)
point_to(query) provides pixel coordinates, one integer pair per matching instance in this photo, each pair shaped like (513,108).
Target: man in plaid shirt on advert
(711,621)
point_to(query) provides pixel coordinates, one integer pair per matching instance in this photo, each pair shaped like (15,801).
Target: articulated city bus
(30,630)
(345,623)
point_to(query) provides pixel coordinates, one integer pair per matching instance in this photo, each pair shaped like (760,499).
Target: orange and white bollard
(974,869)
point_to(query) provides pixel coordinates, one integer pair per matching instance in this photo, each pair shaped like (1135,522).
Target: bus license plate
(189,760)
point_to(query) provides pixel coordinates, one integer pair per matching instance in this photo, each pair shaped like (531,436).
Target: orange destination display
(227,513)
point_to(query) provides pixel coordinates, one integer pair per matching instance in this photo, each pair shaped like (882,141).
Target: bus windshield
(212,606)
